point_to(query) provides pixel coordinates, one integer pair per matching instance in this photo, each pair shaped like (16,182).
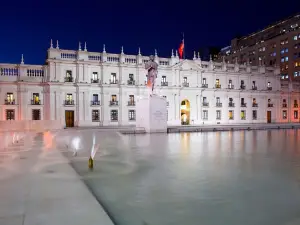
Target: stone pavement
(39,187)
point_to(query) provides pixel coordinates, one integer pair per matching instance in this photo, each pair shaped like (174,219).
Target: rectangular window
(114,98)
(95,97)
(218,100)
(36,97)
(163,79)
(230,114)
(205,114)
(10,114)
(113,78)
(131,115)
(69,97)
(114,115)
(185,80)
(296,114)
(131,78)
(243,115)
(69,73)
(95,115)
(254,114)
(218,114)
(284,114)
(204,81)
(95,76)
(36,114)
(10,98)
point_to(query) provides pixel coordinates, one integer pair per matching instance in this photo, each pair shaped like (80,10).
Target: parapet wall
(30,125)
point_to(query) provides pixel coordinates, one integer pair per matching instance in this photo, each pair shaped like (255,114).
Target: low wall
(30,125)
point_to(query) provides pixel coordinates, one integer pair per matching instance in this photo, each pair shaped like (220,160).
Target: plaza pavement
(39,187)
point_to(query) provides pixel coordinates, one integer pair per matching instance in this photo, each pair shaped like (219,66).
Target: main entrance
(269,116)
(185,112)
(69,115)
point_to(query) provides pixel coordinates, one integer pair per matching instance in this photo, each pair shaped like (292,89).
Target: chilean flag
(181,49)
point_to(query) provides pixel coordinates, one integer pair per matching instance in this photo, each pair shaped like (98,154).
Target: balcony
(254,87)
(295,105)
(270,105)
(112,103)
(230,86)
(95,103)
(205,104)
(131,103)
(243,104)
(254,118)
(231,118)
(35,102)
(96,119)
(68,102)
(10,102)
(269,88)
(113,81)
(254,105)
(243,87)
(164,83)
(243,118)
(131,118)
(204,86)
(185,84)
(68,79)
(217,85)
(284,105)
(130,82)
(94,81)
(230,104)
(219,104)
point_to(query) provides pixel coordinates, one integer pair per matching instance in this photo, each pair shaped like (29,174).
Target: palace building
(83,88)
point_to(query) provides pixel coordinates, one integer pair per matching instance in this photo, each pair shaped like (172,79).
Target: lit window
(282,51)
(286,58)
(286,50)
(295,38)
(286,76)
(284,114)
(282,60)
(295,74)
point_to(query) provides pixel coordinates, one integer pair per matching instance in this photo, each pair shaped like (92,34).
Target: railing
(185,84)
(284,105)
(112,103)
(254,105)
(35,72)
(243,104)
(243,87)
(164,83)
(130,82)
(217,85)
(269,88)
(230,86)
(231,118)
(270,104)
(8,71)
(218,118)
(131,103)
(219,104)
(68,102)
(10,102)
(131,118)
(95,103)
(295,105)
(254,87)
(113,81)
(206,104)
(243,118)
(94,81)
(96,119)
(68,79)
(204,86)
(35,102)
(254,118)
(230,104)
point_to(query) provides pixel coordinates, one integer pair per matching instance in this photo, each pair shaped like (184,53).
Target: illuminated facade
(82,88)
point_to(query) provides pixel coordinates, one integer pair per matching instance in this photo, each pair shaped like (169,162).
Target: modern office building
(277,44)
(83,88)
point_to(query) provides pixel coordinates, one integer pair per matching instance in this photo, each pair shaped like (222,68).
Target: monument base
(151,114)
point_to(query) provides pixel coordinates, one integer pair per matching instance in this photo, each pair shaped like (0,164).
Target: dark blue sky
(27,26)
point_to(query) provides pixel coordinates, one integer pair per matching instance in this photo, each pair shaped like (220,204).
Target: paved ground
(38,186)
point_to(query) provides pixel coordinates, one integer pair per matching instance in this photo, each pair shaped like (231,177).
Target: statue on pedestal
(151,66)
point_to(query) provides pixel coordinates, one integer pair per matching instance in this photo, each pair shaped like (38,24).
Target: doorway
(69,114)
(185,112)
(269,116)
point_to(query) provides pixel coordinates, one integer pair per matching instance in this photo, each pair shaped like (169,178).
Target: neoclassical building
(83,88)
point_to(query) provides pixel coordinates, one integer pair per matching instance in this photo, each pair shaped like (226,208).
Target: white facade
(78,86)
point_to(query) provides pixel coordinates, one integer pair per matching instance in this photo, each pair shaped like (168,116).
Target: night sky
(27,26)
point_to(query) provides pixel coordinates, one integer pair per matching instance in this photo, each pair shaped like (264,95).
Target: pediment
(187,65)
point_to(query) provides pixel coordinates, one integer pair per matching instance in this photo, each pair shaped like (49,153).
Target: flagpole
(183,45)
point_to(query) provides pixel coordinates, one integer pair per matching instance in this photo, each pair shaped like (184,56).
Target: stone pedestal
(151,114)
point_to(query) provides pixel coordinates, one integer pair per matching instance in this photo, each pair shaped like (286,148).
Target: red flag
(180,49)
